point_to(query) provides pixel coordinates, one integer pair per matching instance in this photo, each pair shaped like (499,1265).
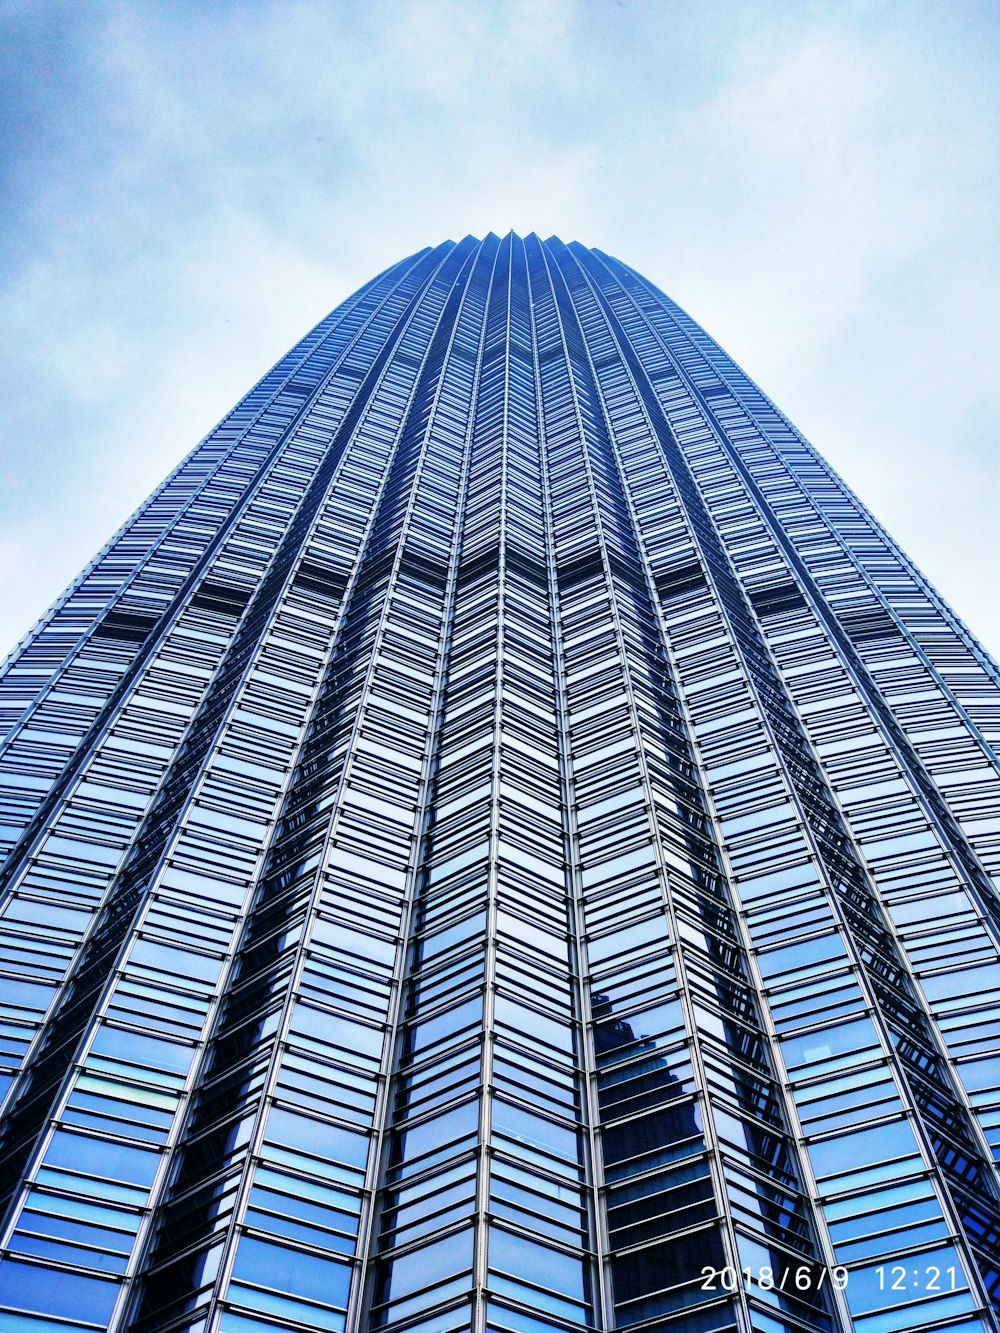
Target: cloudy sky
(189,186)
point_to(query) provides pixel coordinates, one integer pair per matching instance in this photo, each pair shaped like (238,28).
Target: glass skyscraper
(501,839)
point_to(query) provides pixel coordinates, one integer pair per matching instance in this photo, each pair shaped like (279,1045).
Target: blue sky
(190,186)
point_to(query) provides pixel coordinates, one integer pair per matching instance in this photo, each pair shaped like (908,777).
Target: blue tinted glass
(534,1129)
(862,1148)
(292,1271)
(101,1157)
(51,1291)
(316,1137)
(558,1272)
(429,1264)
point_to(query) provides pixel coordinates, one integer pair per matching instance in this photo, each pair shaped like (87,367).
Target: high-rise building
(501,839)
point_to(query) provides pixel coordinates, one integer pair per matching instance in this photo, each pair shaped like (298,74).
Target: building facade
(501,839)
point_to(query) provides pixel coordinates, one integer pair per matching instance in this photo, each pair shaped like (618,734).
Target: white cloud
(817,185)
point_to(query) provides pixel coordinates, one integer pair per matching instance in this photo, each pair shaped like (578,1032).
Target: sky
(188,187)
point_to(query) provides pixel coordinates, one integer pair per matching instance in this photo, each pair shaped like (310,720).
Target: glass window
(56,1292)
(292,1271)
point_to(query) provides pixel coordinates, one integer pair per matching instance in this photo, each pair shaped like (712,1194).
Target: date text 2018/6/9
(805,1277)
